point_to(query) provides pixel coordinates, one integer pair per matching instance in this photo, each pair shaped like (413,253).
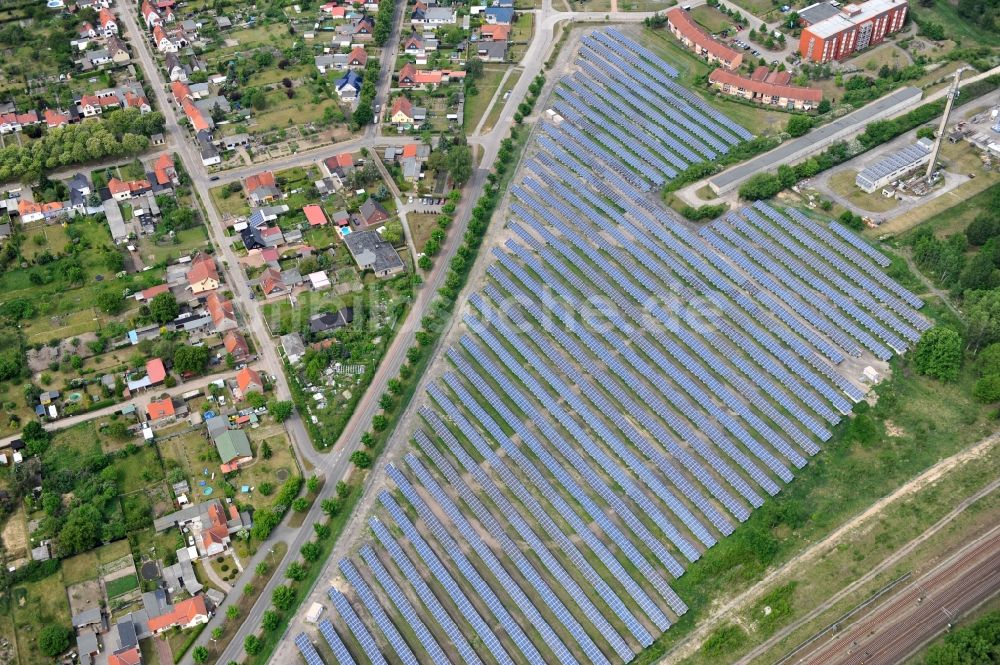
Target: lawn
(421,226)
(711,18)
(184,242)
(486,85)
(73,448)
(232,204)
(122,585)
(842,183)
(523,28)
(80,568)
(495,110)
(139,470)
(36,605)
(281,112)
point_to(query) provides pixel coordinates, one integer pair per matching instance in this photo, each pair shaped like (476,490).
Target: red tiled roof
(315,215)
(153,291)
(220,308)
(156,371)
(262,179)
(269,281)
(497,32)
(195,116)
(116,186)
(202,268)
(161,168)
(183,613)
(763,88)
(358,56)
(246,378)
(130,657)
(402,104)
(682,20)
(158,35)
(408,71)
(106,17)
(180,90)
(343,160)
(28,207)
(161,409)
(410,150)
(56,118)
(235,343)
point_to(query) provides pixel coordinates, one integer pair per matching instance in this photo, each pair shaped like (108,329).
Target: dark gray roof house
(373,253)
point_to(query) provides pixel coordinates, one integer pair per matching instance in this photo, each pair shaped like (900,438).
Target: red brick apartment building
(683,27)
(835,32)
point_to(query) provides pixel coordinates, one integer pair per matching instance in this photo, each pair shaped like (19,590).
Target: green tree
(283,598)
(255,399)
(280,410)
(217,633)
(760,186)
(270,620)
(82,530)
(110,301)
(987,389)
(361,459)
(261,569)
(982,317)
(164,308)
(232,612)
(191,359)
(295,571)
(938,354)
(988,361)
(252,645)
(798,124)
(312,485)
(311,551)
(200,654)
(300,505)
(54,640)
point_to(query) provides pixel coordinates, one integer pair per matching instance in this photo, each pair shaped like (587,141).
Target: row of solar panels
(667,413)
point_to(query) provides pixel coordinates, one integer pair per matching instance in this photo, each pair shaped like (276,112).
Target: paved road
(141,402)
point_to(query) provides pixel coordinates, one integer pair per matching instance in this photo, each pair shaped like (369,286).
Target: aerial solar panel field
(623,390)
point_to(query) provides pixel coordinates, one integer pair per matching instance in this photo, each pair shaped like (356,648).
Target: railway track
(926,608)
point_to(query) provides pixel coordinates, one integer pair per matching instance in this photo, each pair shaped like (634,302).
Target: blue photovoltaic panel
(398,598)
(382,620)
(357,627)
(307,650)
(337,645)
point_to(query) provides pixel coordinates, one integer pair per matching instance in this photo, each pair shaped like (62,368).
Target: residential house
(499,15)
(14,122)
(125,190)
(209,153)
(371,252)
(86,31)
(327,321)
(117,49)
(175,70)
(55,118)
(327,62)
(293,347)
(106,20)
(271,283)
(496,32)
(315,215)
(261,188)
(34,212)
(208,523)
(492,51)
(148,294)
(150,15)
(358,57)
(437,15)
(185,614)
(235,343)
(164,170)
(371,213)
(340,165)
(95,59)
(248,380)
(202,276)
(165,409)
(348,86)
(79,192)
(363,29)
(162,42)
(767,87)
(222,312)
(694,37)
(414,44)
(233,447)
(403,112)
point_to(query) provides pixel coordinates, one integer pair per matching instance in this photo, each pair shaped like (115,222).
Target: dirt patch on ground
(892,429)
(84,596)
(15,536)
(39,360)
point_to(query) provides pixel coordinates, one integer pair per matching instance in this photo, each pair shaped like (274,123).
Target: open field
(36,605)
(494,114)
(711,18)
(945,13)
